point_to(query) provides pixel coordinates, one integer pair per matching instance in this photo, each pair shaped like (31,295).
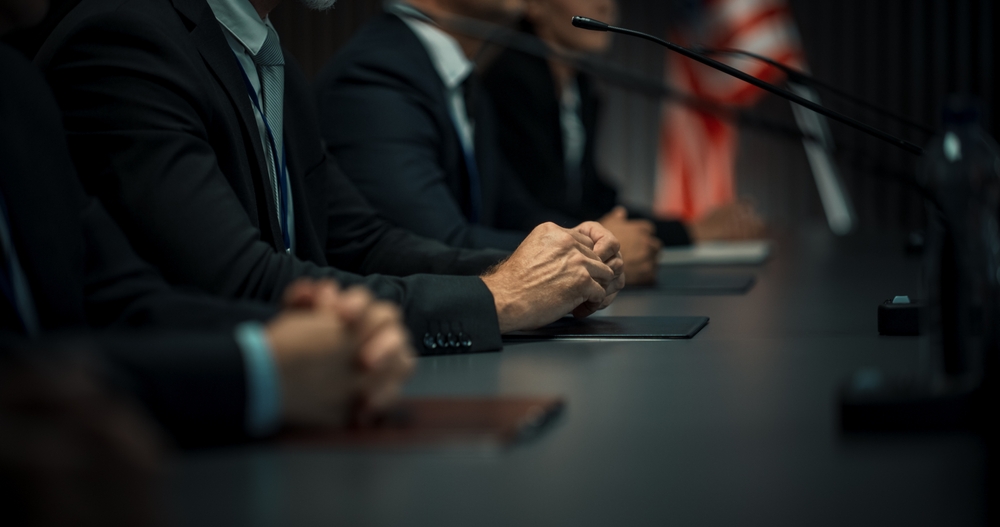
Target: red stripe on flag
(749,23)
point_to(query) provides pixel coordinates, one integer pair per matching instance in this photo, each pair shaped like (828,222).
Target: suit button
(454,341)
(441,341)
(429,341)
(465,341)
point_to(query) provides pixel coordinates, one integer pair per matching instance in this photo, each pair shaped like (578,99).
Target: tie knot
(270,53)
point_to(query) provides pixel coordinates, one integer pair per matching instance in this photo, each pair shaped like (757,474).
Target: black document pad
(696,282)
(614,328)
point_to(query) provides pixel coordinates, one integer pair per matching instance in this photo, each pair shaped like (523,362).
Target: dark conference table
(736,426)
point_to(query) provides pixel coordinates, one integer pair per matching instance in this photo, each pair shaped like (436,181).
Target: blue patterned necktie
(270,64)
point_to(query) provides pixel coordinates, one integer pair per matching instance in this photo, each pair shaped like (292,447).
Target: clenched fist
(556,271)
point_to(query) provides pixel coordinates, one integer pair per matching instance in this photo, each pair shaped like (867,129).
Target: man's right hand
(340,355)
(556,271)
(640,246)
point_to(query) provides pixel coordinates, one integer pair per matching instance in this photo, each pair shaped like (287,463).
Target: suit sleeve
(137,132)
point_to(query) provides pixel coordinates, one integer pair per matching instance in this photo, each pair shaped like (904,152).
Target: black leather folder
(614,328)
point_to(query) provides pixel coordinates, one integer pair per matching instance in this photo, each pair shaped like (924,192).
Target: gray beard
(318,5)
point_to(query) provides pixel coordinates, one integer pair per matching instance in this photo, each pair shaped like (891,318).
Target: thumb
(619,213)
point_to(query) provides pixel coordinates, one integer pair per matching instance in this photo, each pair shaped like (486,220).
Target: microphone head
(590,24)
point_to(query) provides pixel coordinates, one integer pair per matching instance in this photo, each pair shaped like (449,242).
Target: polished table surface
(736,426)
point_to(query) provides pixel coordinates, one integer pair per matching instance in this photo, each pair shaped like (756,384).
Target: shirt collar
(447,56)
(242,21)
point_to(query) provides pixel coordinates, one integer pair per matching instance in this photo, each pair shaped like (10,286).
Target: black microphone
(590,24)
(596,25)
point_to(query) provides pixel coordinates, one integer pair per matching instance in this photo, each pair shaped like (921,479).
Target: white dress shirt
(451,64)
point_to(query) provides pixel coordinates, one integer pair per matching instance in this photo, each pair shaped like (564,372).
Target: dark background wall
(904,55)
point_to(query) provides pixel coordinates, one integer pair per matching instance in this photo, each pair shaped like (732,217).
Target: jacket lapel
(218,56)
(417,68)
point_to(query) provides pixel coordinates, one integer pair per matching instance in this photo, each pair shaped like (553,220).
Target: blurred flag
(697,150)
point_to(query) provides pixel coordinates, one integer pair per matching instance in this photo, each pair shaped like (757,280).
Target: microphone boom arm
(595,25)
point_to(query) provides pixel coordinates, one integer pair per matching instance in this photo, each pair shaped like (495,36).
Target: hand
(736,221)
(607,247)
(556,271)
(344,359)
(640,246)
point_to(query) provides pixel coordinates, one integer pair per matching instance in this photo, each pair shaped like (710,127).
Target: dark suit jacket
(384,116)
(87,282)
(161,129)
(528,121)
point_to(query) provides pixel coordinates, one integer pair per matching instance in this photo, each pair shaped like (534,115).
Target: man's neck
(471,46)
(264,7)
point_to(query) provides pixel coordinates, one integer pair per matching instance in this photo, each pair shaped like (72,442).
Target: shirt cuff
(263,411)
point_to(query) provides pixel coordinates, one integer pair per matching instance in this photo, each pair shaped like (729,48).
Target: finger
(354,303)
(593,292)
(581,239)
(380,328)
(380,389)
(655,244)
(617,264)
(599,271)
(385,385)
(299,294)
(653,253)
(644,226)
(619,212)
(611,294)
(384,343)
(615,286)
(608,300)
(586,309)
(605,243)
(326,296)
(587,251)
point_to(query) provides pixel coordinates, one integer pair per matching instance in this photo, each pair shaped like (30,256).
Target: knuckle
(546,227)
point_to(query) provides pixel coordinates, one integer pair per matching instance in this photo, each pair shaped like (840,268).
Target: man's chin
(318,5)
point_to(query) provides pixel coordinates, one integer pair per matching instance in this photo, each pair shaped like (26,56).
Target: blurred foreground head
(552,22)
(71,452)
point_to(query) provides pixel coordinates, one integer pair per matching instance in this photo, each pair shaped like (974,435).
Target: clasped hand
(556,271)
(342,356)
